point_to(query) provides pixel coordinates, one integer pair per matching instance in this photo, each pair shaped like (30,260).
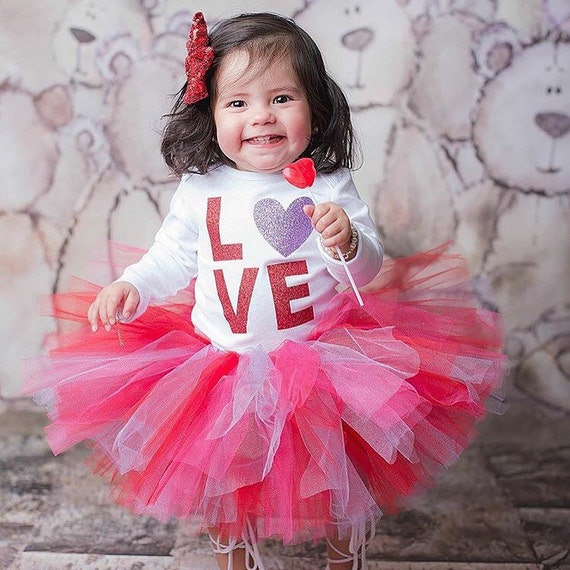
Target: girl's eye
(236,104)
(281,99)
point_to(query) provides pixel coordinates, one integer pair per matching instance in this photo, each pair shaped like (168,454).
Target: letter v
(236,319)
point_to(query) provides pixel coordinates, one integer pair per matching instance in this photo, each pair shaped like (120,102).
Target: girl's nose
(262,114)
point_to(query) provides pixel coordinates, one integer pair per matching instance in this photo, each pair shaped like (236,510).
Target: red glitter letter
(237,319)
(283,295)
(220,251)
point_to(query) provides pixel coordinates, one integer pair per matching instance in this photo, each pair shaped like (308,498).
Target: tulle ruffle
(291,443)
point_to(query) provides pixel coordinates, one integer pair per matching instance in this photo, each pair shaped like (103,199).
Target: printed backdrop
(462,109)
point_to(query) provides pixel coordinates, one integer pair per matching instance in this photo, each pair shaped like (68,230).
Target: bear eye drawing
(356,10)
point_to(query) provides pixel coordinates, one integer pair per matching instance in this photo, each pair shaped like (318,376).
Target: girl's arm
(365,261)
(167,267)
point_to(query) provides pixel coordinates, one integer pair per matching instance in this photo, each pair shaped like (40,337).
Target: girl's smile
(262,117)
(268,139)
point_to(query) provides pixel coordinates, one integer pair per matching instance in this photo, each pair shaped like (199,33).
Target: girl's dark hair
(189,139)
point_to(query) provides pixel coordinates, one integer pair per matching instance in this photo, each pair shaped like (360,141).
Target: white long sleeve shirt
(261,275)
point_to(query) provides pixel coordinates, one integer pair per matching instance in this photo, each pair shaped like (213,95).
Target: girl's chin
(262,168)
(266,165)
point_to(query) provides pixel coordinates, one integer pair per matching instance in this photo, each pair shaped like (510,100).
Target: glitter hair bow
(198,60)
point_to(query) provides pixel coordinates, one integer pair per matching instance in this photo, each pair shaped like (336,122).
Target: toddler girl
(261,400)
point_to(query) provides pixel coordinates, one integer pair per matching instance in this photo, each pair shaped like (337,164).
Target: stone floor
(505,505)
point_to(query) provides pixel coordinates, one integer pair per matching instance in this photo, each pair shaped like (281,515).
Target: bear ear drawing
(557,14)
(495,48)
(150,5)
(116,57)
(54,106)
(89,136)
(179,23)
(172,42)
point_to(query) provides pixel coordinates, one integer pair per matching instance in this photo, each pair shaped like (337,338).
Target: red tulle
(327,432)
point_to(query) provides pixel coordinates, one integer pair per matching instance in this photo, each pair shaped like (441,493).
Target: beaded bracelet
(331,251)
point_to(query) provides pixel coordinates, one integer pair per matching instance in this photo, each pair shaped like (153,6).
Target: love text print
(286,224)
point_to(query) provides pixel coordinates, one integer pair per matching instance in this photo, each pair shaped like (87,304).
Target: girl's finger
(92,316)
(103,314)
(131,303)
(338,235)
(309,210)
(325,222)
(332,229)
(112,305)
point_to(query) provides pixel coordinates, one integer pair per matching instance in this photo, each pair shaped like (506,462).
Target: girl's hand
(117,296)
(332,223)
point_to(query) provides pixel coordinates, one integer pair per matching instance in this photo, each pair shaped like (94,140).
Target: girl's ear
(54,106)
(495,48)
(116,57)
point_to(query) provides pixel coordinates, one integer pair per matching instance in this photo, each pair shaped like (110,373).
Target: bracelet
(332,252)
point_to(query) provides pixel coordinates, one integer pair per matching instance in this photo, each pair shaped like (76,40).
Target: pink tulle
(327,432)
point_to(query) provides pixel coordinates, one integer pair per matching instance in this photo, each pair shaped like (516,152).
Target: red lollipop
(300,173)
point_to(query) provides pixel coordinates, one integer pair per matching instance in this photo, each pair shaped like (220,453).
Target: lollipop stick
(344,264)
(301,174)
(349,275)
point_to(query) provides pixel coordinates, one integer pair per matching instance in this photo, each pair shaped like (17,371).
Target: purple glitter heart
(284,230)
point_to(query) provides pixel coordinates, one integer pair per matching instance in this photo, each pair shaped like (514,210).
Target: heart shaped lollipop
(300,173)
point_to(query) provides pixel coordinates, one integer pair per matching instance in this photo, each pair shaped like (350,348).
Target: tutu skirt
(313,436)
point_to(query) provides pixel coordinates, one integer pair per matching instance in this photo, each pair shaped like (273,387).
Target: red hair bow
(198,60)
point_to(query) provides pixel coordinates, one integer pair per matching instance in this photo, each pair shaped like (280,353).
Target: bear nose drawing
(358,39)
(82,36)
(554,124)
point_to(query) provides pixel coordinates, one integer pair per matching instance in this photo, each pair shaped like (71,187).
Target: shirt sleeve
(364,266)
(171,262)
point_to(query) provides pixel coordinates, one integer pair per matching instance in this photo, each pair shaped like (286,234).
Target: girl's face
(262,118)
